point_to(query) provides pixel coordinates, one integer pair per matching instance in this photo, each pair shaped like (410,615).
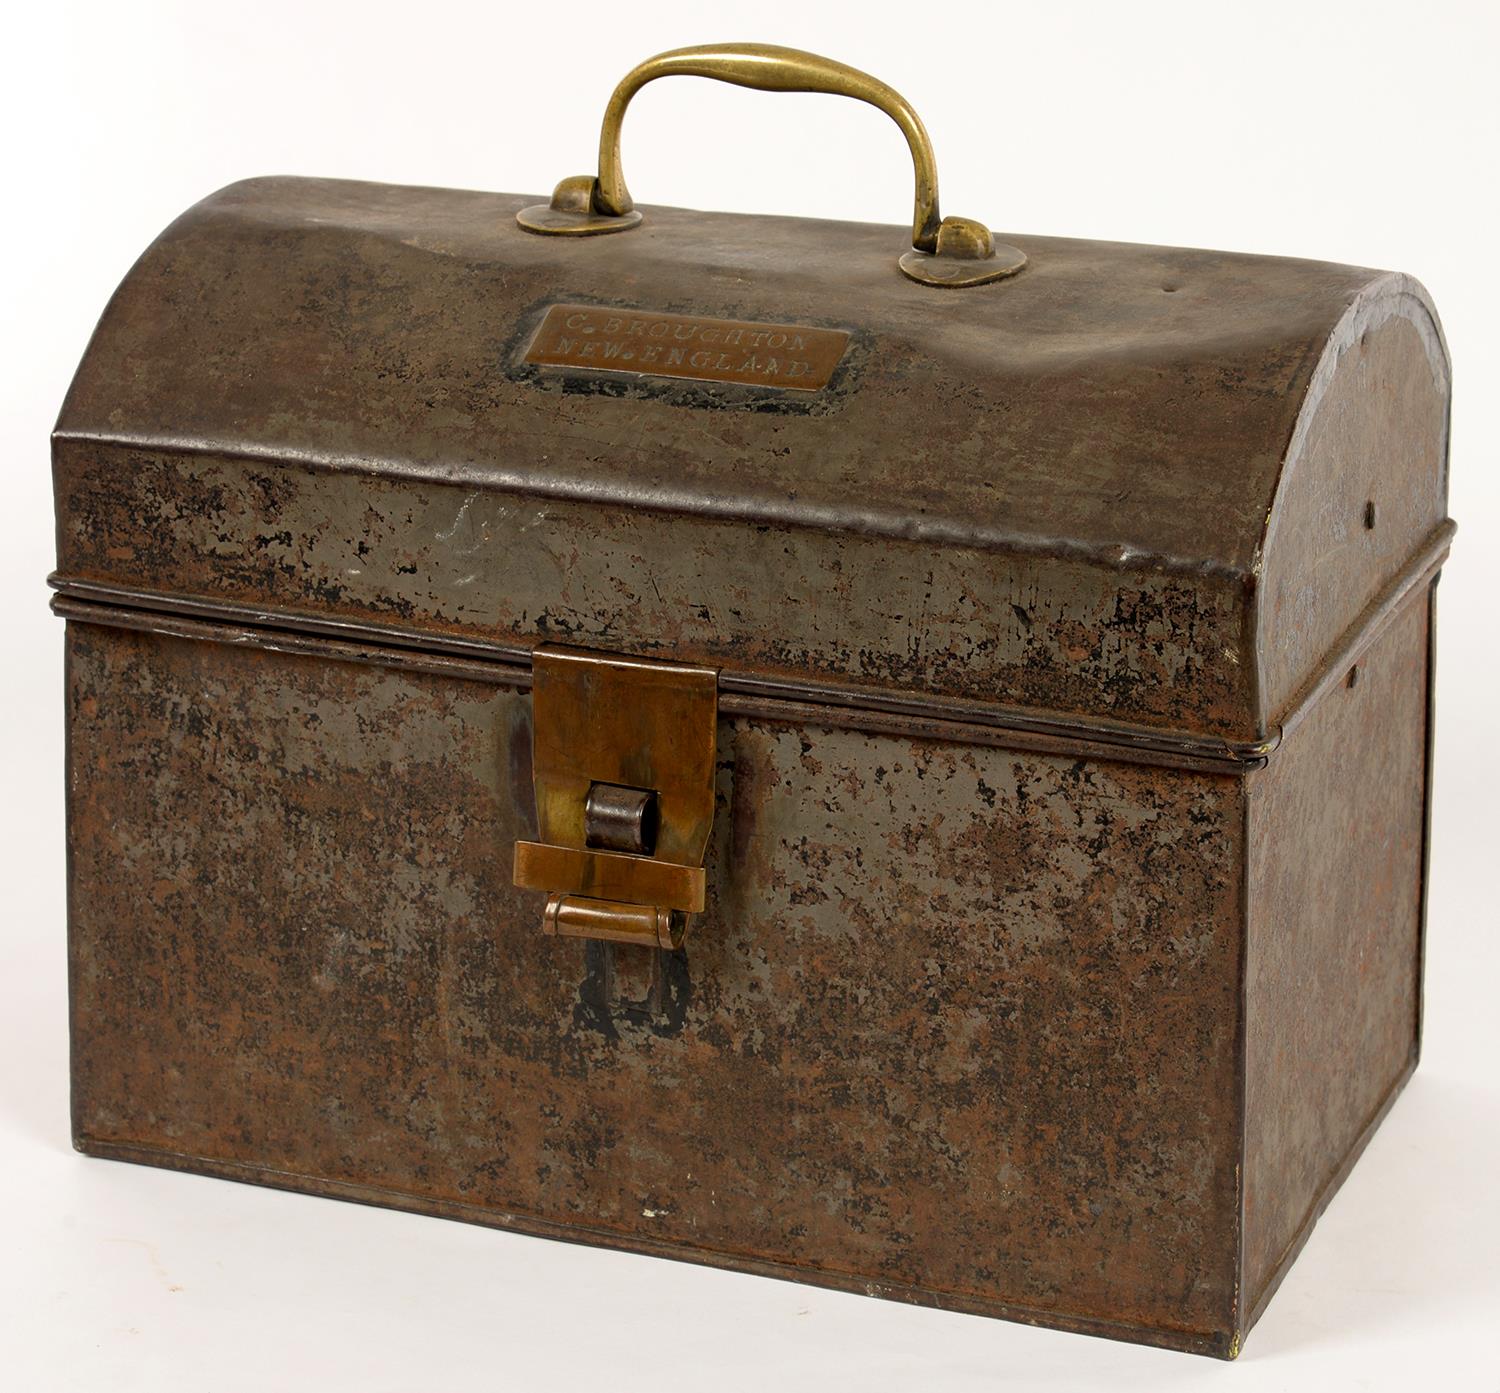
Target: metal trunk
(973,742)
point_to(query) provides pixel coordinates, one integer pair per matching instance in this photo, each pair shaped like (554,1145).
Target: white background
(1363,133)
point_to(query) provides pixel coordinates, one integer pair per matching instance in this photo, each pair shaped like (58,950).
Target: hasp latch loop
(623,754)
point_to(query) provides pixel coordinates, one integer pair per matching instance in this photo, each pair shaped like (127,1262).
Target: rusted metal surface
(454,562)
(852,708)
(1337,838)
(957,1020)
(1051,492)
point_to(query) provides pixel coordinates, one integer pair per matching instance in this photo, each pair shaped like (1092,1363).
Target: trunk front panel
(959,1024)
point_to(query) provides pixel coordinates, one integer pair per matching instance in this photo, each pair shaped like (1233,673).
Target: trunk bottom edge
(1221,1344)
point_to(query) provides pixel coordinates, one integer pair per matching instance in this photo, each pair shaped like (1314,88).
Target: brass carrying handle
(945,251)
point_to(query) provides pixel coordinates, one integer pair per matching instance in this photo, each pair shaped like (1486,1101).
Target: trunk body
(1064,910)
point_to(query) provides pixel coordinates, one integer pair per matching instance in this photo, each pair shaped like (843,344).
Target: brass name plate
(645,343)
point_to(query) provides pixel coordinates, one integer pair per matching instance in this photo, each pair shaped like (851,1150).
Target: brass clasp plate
(623,766)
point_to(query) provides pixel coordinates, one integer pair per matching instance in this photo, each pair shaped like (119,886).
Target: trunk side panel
(1337,829)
